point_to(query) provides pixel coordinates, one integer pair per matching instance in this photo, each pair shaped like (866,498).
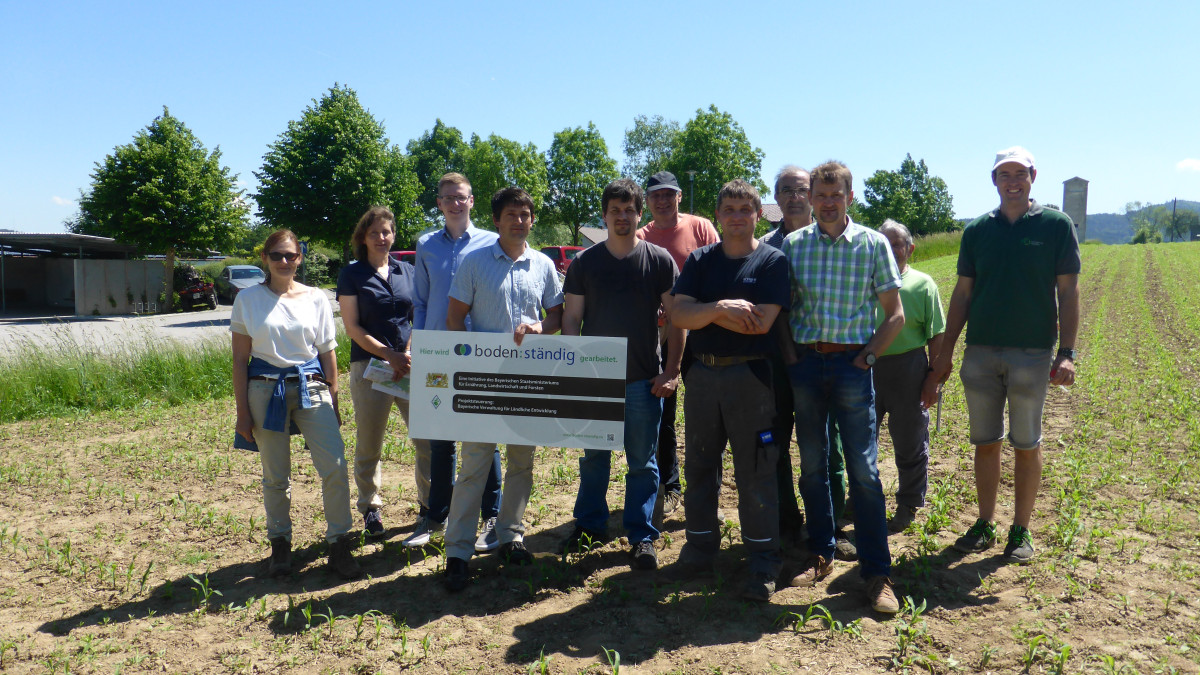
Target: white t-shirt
(284,331)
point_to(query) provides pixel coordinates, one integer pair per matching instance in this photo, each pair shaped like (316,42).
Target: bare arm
(956,320)
(893,312)
(456,315)
(740,316)
(572,318)
(241,385)
(1063,372)
(328,362)
(665,383)
(399,361)
(547,326)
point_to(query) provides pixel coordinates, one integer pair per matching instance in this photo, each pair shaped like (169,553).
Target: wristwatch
(870,359)
(1067,353)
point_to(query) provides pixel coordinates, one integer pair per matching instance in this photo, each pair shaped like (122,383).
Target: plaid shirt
(835,283)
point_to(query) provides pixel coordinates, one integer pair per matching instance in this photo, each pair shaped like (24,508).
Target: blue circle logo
(462,350)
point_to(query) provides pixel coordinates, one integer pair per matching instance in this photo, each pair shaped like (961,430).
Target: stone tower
(1075,204)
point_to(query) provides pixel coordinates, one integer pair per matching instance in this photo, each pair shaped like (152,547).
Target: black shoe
(644,556)
(759,587)
(582,540)
(844,549)
(457,575)
(1020,545)
(341,559)
(980,537)
(686,570)
(514,553)
(281,558)
(373,523)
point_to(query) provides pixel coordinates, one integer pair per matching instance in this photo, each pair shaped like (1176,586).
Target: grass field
(131,540)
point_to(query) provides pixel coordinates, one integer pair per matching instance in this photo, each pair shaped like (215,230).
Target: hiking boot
(426,528)
(457,575)
(644,556)
(843,548)
(882,595)
(582,540)
(903,518)
(281,558)
(814,569)
(1020,545)
(515,553)
(671,502)
(759,587)
(488,539)
(341,559)
(373,523)
(980,537)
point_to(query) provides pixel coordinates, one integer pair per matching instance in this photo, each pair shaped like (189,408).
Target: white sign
(552,390)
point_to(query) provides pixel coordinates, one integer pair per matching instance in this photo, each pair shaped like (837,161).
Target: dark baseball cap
(662,180)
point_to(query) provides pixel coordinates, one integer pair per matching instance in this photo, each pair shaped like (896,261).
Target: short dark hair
(510,196)
(375,214)
(832,172)
(739,189)
(622,190)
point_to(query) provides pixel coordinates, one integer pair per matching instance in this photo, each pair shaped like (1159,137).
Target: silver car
(233,279)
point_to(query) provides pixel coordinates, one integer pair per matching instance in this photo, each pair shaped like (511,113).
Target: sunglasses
(276,256)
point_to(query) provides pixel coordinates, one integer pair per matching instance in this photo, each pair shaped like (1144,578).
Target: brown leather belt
(831,347)
(714,361)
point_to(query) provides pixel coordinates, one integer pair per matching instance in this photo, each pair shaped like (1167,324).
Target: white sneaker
(426,528)
(488,539)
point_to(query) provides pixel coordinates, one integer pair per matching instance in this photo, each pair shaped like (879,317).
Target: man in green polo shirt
(1018,282)
(900,375)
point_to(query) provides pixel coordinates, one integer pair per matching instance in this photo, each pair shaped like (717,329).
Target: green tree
(715,146)
(578,167)
(497,162)
(1188,222)
(165,193)
(1147,221)
(436,152)
(911,196)
(332,165)
(648,146)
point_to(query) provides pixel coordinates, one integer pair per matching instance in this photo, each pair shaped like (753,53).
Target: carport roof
(63,243)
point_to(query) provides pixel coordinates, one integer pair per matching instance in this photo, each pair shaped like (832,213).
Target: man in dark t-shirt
(615,289)
(728,296)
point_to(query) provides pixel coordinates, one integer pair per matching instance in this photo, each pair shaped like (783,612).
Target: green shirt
(1015,268)
(923,315)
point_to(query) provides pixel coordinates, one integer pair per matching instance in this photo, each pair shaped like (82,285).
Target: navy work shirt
(384,307)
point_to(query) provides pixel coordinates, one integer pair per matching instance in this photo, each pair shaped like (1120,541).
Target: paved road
(113,334)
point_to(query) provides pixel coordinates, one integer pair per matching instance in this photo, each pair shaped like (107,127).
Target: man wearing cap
(728,295)
(900,374)
(840,272)
(1018,283)
(680,234)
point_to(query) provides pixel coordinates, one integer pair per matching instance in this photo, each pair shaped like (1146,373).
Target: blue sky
(1104,90)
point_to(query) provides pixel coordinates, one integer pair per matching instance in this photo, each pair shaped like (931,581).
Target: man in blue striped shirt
(840,272)
(504,288)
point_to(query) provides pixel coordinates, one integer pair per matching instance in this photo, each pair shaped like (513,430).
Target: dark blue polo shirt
(384,307)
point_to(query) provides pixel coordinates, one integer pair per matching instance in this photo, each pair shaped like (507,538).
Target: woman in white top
(285,375)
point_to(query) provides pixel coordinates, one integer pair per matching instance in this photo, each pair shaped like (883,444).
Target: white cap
(1014,154)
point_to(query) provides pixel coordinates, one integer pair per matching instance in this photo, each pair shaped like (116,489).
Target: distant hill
(1115,228)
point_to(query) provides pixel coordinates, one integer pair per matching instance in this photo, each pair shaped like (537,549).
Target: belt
(831,347)
(308,377)
(713,361)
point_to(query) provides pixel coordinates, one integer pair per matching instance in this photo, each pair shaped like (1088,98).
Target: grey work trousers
(898,380)
(734,404)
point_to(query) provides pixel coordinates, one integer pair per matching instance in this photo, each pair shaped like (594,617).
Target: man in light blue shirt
(504,288)
(439,255)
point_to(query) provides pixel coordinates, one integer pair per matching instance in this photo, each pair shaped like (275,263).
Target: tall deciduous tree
(578,167)
(648,146)
(436,152)
(497,162)
(715,146)
(329,167)
(911,196)
(165,193)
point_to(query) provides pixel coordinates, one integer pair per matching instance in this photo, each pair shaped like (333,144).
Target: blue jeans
(830,384)
(443,460)
(643,410)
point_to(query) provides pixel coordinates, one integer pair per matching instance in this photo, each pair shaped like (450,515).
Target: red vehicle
(562,255)
(409,257)
(196,291)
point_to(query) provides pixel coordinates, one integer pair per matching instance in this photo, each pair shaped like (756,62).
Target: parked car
(196,291)
(562,256)
(409,257)
(234,278)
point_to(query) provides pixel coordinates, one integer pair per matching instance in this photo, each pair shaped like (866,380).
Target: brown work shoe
(882,595)
(341,559)
(814,569)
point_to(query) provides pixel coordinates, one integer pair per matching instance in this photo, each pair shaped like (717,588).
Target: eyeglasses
(454,199)
(277,256)
(792,193)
